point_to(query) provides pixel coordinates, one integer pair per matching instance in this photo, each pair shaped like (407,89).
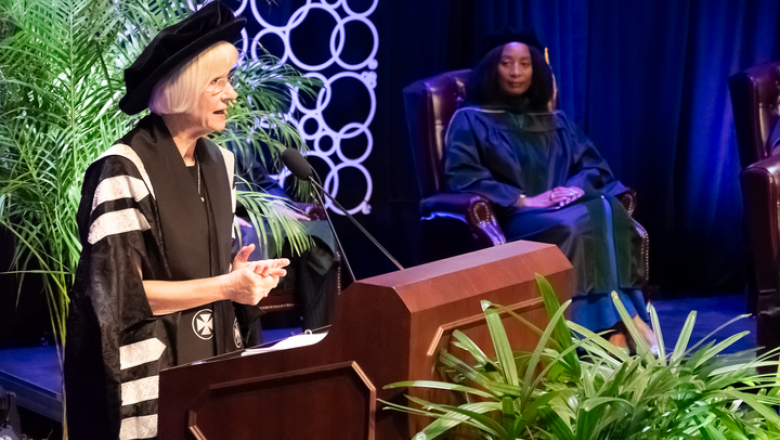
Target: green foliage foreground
(601,392)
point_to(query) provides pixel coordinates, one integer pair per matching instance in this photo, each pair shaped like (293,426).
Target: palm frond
(61,65)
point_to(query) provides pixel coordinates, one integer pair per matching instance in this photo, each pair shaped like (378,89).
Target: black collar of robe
(514,104)
(536,122)
(179,207)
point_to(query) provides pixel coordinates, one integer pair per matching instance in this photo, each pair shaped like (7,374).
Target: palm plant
(602,393)
(61,64)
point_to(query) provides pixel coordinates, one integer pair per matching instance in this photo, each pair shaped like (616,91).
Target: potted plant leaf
(576,385)
(61,67)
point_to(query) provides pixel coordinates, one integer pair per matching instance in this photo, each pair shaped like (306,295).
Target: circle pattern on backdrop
(364,71)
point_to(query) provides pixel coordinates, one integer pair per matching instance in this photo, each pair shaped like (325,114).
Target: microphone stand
(355,222)
(319,198)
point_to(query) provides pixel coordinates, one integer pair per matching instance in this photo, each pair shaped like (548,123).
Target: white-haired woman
(155,286)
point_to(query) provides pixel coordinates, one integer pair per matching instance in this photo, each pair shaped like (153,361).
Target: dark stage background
(645,80)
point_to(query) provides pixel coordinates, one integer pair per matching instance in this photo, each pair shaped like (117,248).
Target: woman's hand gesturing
(250,281)
(242,257)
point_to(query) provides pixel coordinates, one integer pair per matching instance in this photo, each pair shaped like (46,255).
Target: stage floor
(34,373)
(711,313)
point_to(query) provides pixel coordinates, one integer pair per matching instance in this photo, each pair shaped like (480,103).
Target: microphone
(297,164)
(301,169)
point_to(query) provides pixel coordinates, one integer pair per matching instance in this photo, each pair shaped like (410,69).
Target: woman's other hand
(242,257)
(252,281)
(248,283)
(563,196)
(268,268)
(261,267)
(559,196)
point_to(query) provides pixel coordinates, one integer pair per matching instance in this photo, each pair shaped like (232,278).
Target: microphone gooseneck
(358,225)
(300,168)
(333,229)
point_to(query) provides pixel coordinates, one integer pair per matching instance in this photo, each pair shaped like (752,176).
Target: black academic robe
(500,154)
(138,198)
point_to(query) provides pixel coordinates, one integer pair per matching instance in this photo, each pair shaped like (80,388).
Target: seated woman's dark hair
(483,87)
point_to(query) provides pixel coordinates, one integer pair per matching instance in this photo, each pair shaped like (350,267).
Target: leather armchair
(453,224)
(755,100)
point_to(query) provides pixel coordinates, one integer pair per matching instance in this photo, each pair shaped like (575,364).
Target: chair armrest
(474,210)
(628,199)
(760,195)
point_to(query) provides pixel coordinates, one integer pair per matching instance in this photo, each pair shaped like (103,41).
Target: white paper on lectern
(296,341)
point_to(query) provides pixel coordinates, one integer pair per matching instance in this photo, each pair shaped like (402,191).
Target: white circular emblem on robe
(203,324)
(236,333)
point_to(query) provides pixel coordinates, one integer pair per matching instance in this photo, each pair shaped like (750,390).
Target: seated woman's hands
(559,196)
(250,281)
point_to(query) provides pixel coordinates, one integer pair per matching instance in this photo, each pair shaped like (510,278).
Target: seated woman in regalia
(547,180)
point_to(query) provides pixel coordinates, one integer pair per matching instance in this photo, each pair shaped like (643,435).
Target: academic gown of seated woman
(500,152)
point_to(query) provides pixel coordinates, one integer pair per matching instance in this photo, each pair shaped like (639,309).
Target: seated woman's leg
(575,230)
(642,319)
(568,228)
(597,312)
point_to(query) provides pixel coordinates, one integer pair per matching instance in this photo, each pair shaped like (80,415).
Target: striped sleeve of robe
(115,347)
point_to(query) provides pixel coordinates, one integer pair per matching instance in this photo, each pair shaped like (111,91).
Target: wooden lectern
(387,329)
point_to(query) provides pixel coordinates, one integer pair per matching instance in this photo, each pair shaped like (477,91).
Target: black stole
(179,205)
(180,210)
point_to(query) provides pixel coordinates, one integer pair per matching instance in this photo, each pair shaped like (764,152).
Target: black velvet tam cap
(508,34)
(173,45)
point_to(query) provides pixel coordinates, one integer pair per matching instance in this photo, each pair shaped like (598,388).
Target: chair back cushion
(430,104)
(755,98)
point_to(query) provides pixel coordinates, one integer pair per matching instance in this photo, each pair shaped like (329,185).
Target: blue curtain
(647,81)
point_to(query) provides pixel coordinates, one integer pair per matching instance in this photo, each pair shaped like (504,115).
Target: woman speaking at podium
(547,180)
(155,286)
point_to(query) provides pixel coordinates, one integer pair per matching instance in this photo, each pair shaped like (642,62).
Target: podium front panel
(313,401)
